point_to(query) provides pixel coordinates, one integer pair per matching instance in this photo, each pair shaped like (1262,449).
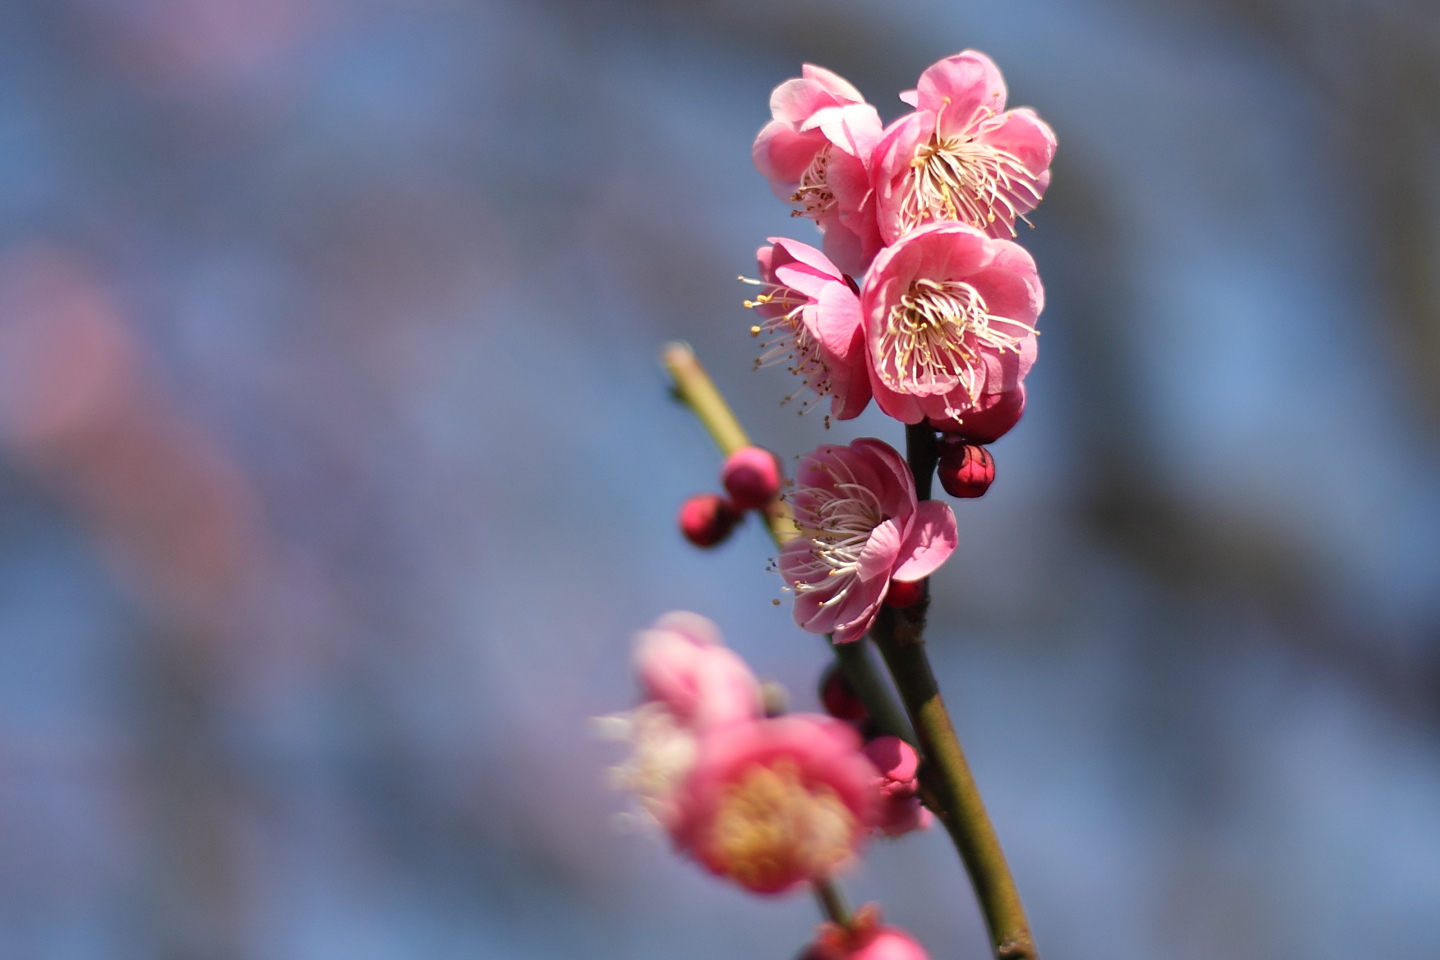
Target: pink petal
(970,81)
(797,98)
(932,539)
(1021,132)
(880,554)
(839,322)
(807,255)
(855,129)
(781,155)
(832,82)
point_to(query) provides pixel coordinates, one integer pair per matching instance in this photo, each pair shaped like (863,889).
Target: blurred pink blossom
(898,766)
(961,156)
(950,320)
(860,526)
(775,802)
(816,154)
(683,664)
(692,684)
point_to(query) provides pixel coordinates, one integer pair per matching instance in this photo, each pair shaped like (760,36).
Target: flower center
(838,522)
(934,337)
(785,338)
(771,827)
(814,197)
(964,178)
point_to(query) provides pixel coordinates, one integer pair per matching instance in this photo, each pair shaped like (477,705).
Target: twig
(949,786)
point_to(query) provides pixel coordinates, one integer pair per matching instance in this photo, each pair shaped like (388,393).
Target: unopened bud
(839,698)
(752,477)
(904,593)
(966,470)
(707,519)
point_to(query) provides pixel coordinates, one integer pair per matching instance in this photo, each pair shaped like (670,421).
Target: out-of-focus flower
(776,802)
(961,156)
(683,664)
(707,519)
(811,318)
(751,476)
(865,939)
(816,154)
(898,765)
(860,526)
(966,470)
(950,320)
(693,683)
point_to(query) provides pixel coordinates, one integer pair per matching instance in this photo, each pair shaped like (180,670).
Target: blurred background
(337,469)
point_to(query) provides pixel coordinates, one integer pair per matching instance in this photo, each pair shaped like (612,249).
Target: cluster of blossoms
(919,299)
(766,801)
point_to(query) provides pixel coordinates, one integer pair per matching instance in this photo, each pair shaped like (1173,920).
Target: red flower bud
(752,477)
(904,593)
(966,469)
(839,698)
(707,519)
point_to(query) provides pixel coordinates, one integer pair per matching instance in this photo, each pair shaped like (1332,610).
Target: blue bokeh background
(337,469)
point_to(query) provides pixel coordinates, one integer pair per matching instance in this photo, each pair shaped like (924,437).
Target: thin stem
(948,785)
(693,386)
(832,902)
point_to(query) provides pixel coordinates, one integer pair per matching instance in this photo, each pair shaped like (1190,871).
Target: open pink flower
(816,154)
(692,684)
(776,802)
(961,156)
(810,318)
(860,526)
(950,321)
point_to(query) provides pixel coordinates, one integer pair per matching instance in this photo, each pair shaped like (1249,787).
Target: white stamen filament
(963,178)
(838,522)
(934,336)
(814,196)
(785,338)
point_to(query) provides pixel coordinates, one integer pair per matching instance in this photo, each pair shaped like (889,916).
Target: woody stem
(946,780)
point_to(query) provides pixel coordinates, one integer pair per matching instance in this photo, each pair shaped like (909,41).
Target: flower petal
(932,539)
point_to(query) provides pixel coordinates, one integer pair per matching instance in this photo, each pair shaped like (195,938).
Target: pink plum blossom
(816,154)
(860,526)
(961,156)
(950,323)
(810,317)
(693,684)
(772,803)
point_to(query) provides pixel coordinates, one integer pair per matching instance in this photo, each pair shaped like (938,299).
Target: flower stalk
(947,782)
(692,385)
